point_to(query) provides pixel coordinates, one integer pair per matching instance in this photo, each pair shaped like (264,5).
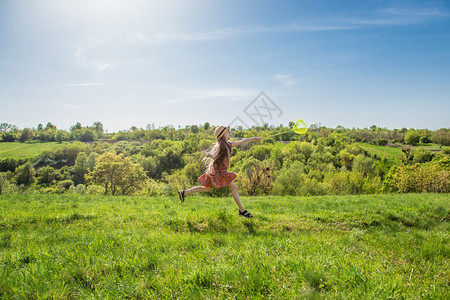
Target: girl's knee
(233,186)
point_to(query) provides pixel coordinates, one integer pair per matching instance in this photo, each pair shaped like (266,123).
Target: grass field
(25,150)
(392,154)
(347,247)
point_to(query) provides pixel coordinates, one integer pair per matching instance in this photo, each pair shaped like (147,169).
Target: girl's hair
(222,148)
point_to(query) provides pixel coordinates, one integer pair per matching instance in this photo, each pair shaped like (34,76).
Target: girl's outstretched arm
(245,141)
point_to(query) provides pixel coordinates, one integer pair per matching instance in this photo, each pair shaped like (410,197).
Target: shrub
(428,177)
(117,173)
(261,152)
(364,165)
(412,138)
(422,156)
(151,187)
(381,142)
(335,183)
(255,177)
(3,182)
(46,175)
(8,164)
(96,190)
(178,181)
(64,186)
(24,174)
(342,183)
(8,137)
(442,136)
(346,159)
(80,169)
(310,187)
(289,179)
(79,189)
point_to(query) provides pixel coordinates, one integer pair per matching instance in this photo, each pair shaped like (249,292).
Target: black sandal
(246,214)
(181,195)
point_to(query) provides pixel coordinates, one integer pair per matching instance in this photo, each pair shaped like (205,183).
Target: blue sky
(134,62)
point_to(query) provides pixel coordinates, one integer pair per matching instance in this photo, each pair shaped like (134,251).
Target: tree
(26,134)
(8,137)
(117,174)
(256,176)
(3,182)
(412,137)
(422,156)
(60,136)
(50,126)
(408,156)
(76,126)
(98,128)
(46,175)
(290,179)
(87,135)
(80,168)
(5,127)
(194,129)
(24,174)
(442,136)
(363,164)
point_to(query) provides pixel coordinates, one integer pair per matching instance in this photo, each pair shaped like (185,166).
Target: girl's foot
(246,214)
(181,195)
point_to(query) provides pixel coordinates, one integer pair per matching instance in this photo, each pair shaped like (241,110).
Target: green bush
(364,165)
(46,175)
(422,156)
(381,142)
(24,174)
(412,137)
(79,189)
(8,164)
(256,177)
(343,183)
(6,187)
(289,179)
(96,190)
(64,185)
(418,178)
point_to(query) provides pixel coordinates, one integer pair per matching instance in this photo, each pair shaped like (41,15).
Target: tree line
(95,132)
(160,161)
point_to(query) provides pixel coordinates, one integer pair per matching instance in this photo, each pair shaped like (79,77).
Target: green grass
(25,150)
(392,154)
(328,247)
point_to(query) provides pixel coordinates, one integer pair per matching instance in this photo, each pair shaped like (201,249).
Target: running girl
(217,175)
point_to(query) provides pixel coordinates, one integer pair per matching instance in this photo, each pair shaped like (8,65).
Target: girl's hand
(257,138)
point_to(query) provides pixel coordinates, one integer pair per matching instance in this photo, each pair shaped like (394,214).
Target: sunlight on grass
(378,246)
(25,150)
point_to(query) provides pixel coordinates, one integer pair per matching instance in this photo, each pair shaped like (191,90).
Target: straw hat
(220,131)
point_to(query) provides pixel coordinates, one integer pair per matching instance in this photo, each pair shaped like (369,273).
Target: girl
(217,175)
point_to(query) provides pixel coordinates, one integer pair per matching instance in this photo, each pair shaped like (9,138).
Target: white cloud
(97,65)
(285,80)
(417,12)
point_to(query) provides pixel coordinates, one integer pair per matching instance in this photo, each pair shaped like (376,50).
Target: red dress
(220,177)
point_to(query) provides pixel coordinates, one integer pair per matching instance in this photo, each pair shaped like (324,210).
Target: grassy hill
(361,247)
(25,150)
(392,154)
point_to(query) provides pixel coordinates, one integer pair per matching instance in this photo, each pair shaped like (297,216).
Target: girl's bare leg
(234,192)
(196,189)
